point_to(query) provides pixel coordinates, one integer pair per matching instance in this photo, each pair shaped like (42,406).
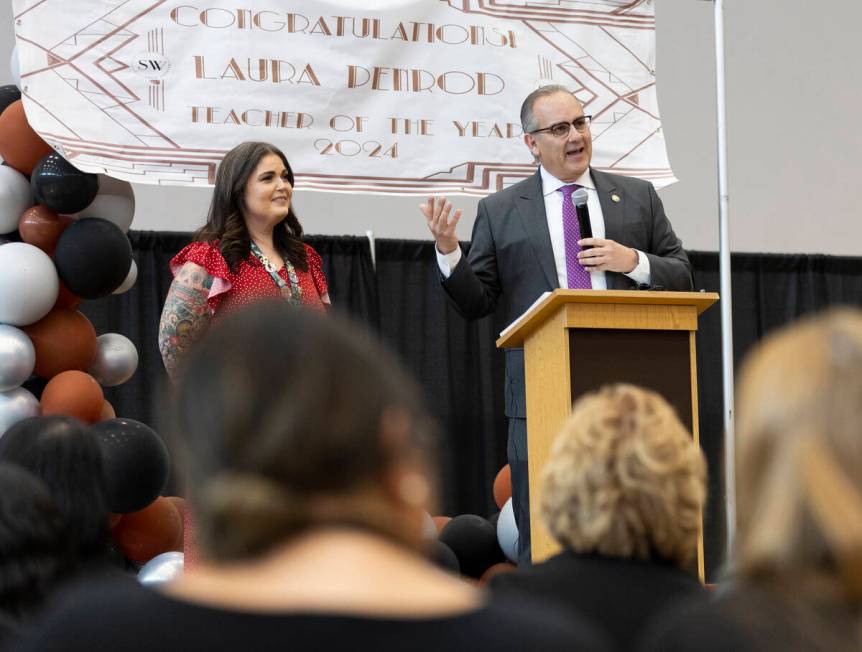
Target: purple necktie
(578,277)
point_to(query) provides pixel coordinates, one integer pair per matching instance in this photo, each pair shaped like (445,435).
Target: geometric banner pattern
(408,97)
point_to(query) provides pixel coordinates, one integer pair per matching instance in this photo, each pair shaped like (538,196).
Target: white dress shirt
(554,215)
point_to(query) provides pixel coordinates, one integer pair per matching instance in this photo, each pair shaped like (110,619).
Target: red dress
(230,291)
(251,282)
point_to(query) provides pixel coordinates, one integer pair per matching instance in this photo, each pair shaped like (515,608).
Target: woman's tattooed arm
(186,314)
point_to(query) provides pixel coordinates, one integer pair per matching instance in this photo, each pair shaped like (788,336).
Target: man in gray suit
(526,241)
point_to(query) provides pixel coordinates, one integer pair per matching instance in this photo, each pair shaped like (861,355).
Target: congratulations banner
(386,96)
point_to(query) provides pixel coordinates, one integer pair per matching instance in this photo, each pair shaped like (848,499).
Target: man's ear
(530,142)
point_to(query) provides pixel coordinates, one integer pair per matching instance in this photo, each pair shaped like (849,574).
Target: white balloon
(131,277)
(15,198)
(162,568)
(28,284)
(15,66)
(17,357)
(15,405)
(116,359)
(115,203)
(507,532)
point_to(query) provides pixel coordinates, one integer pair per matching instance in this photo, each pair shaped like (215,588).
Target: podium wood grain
(617,336)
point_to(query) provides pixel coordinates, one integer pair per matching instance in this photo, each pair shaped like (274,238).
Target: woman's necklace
(292,294)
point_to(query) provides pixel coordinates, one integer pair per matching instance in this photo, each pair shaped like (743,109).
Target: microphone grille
(579,197)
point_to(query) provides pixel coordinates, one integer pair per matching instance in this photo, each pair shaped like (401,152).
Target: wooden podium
(576,341)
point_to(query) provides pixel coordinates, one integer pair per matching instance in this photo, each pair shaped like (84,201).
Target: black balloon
(136,463)
(61,186)
(8,94)
(93,257)
(474,541)
(35,385)
(442,555)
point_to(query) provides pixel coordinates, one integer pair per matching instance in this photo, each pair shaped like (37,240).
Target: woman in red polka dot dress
(249,249)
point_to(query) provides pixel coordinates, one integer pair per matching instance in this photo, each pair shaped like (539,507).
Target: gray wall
(793,88)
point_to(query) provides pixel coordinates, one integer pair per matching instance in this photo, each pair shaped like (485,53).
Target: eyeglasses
(562,129)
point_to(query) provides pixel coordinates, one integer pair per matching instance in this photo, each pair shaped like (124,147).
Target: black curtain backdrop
(456,361)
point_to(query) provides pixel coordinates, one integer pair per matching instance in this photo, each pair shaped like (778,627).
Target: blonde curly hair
(625,478)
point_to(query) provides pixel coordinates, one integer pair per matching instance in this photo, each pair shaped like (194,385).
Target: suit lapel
(612,211)
(531,209)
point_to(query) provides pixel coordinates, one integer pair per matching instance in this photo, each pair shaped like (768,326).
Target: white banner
(386,96)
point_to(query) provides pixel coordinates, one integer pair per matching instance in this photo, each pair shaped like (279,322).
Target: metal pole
(725,289)
(372,247)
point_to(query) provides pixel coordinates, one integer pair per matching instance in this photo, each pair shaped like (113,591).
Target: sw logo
(152,65)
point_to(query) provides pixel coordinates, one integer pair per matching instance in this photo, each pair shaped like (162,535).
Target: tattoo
(186,314)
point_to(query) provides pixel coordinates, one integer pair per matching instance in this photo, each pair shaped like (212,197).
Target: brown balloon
(20,146)
(65,298)
(107,412)
(441,521)
(496,569)
(503,486)
(64,339)
(75,394)
(42,227)
(149,532)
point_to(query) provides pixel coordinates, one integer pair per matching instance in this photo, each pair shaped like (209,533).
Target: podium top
(515,333)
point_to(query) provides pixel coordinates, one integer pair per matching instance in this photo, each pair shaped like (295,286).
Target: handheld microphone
(579,199)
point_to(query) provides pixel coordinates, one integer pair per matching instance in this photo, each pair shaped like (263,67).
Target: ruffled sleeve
(315,268)
(208,256)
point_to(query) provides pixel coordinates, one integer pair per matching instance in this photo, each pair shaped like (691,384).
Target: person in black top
(60,451)
(795,579)
(622,492)
(308,459)
(35,555)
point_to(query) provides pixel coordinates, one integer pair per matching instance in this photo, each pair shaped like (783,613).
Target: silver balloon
(28,284)
(131,277)
(116,359)
(17,357)
(115,203)
(15,405)
(15,66)
(15,198)
(161,568)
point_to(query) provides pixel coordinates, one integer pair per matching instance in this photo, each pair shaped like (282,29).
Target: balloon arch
(63,240)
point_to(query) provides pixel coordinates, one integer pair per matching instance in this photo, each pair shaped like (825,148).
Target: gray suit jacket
(511,261)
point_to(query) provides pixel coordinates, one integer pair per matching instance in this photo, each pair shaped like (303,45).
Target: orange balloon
(20,146)
(64,339)
(65,299)
(149,532)
(503,486)
(113,519)
(42,227)
(497,569)
(180,504)
(441,521)
(74,394)
(108,411)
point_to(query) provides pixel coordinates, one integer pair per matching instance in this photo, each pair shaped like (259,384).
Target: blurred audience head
(34,543)
(287,421)
(799,455)
(625,479)
(60,452)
